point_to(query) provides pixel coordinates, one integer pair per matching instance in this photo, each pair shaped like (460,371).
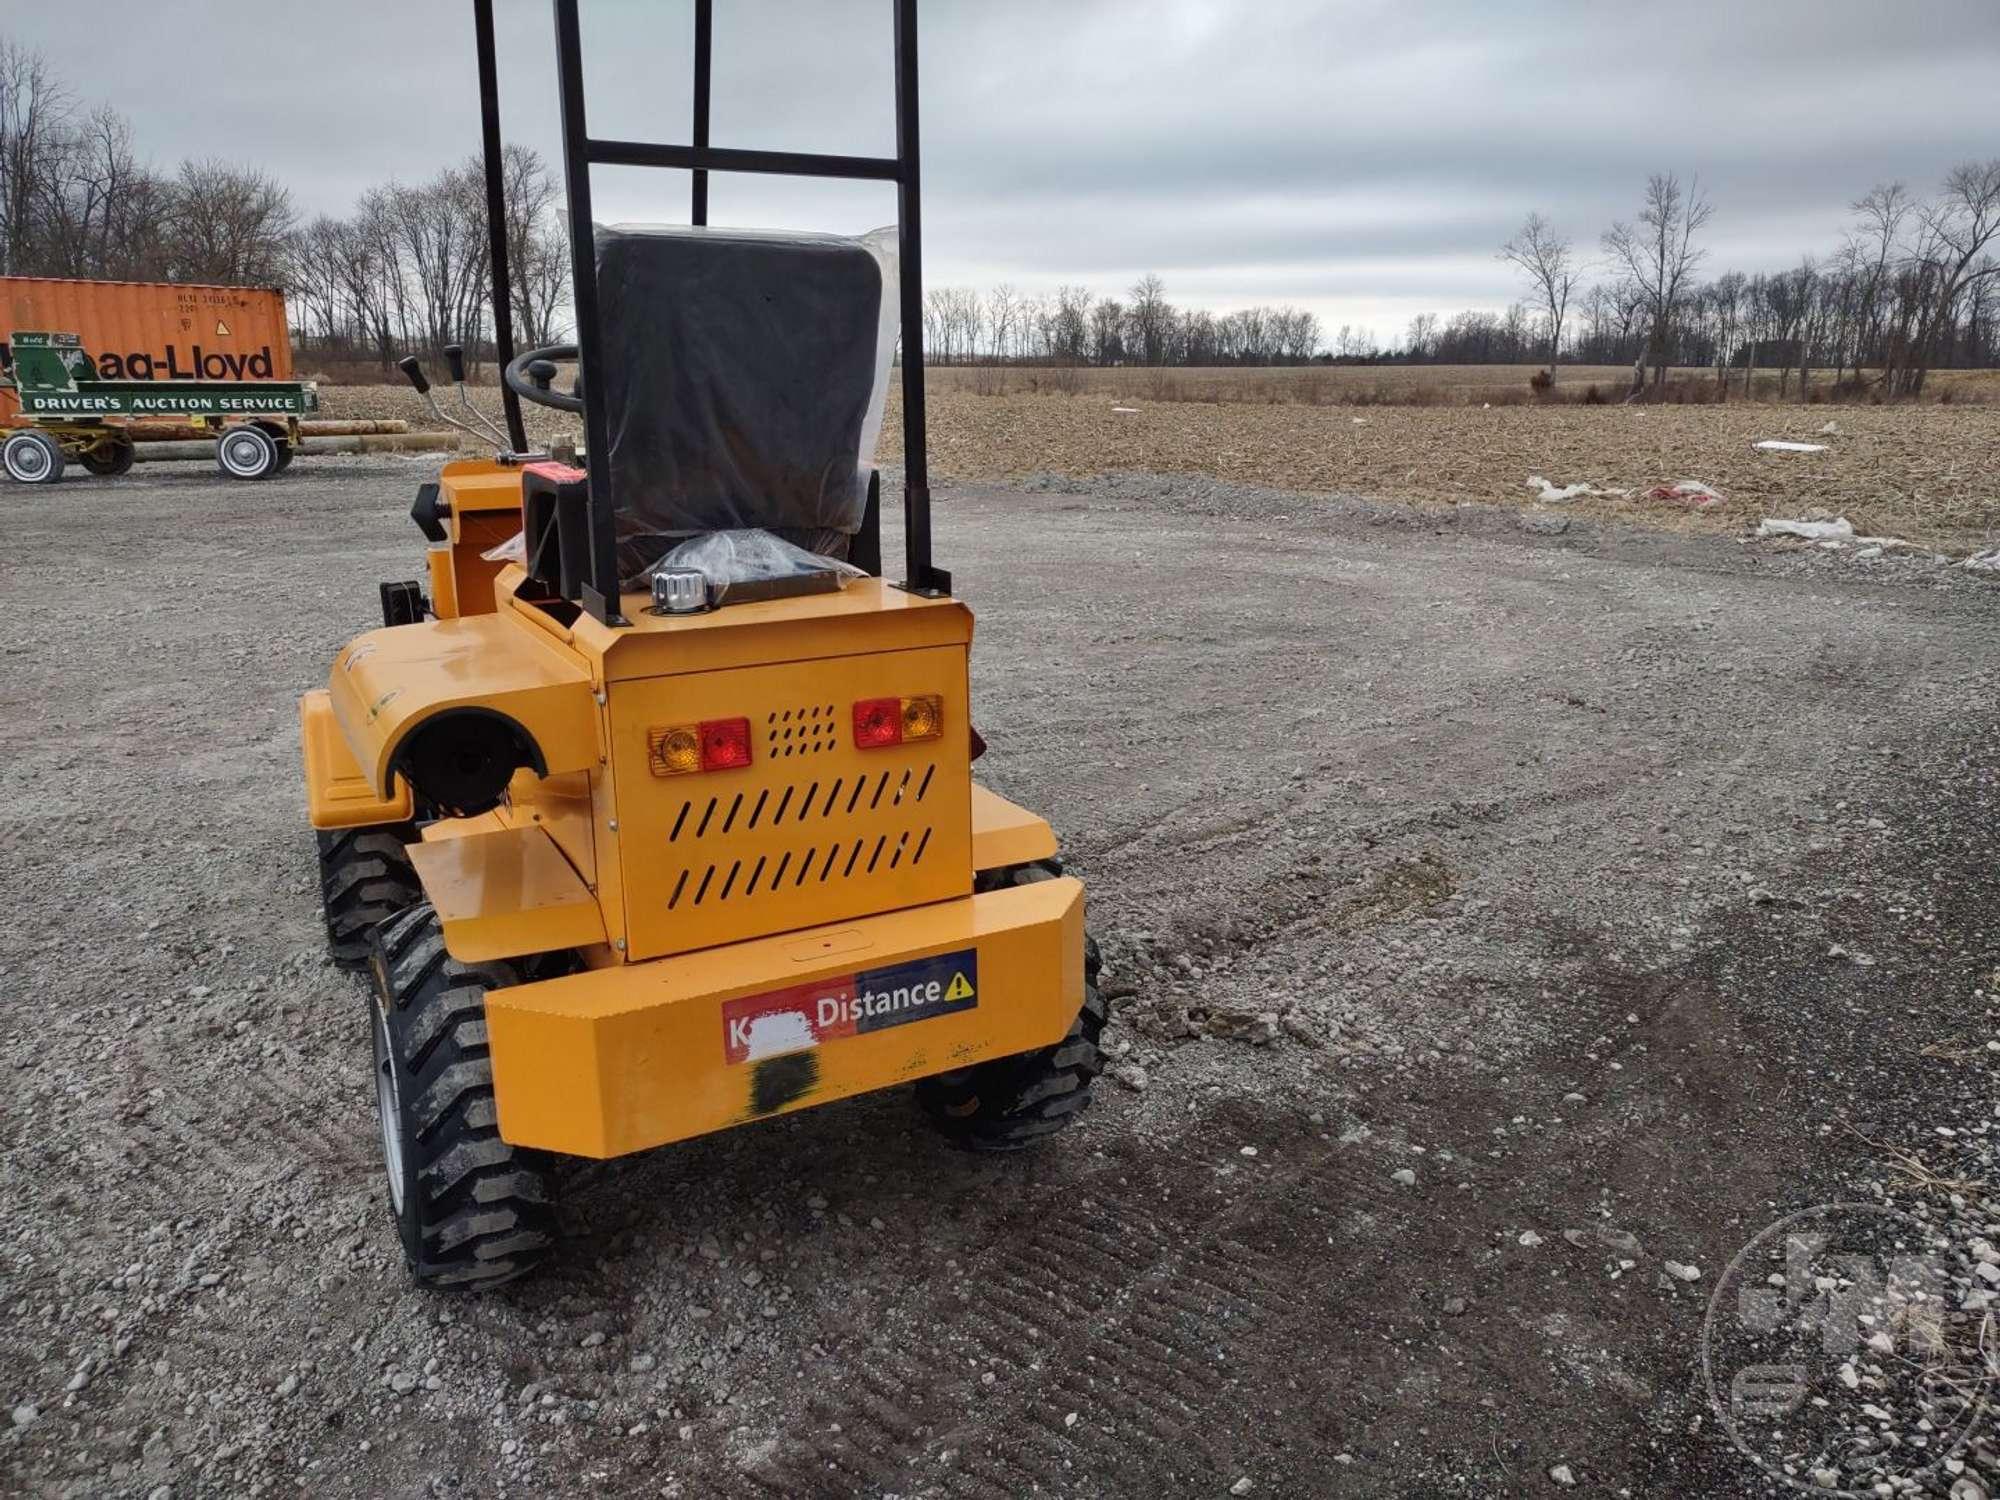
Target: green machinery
(68,413)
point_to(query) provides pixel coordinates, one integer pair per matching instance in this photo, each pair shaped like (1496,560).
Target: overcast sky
(1361,157)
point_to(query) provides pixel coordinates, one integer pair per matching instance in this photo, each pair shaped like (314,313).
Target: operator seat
(739,372)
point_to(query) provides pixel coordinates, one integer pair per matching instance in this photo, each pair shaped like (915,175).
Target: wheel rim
(389,1110)
(28,461)
(243,453)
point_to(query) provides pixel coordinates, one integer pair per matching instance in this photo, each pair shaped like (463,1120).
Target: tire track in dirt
(1128,1312)
(272,1124)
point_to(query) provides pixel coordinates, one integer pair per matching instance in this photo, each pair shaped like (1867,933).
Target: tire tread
(1012,1102)
(365,878)
(478,1211)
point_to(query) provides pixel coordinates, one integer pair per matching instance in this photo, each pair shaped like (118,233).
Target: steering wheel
(528,375)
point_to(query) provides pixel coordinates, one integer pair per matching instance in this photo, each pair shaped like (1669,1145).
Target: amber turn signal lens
(923,718)
(675,751)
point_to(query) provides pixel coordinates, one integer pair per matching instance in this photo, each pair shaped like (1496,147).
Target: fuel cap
(680,591)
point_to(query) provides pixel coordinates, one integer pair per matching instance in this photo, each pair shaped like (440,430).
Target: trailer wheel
(246,453)
(286,452)
(473,1212)
(1013,1102)
(32,457)
(109,459)
(365,878)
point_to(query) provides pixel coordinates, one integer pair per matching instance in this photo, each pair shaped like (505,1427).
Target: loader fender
(389,683)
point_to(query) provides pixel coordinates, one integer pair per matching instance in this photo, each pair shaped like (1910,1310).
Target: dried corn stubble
(1931,473)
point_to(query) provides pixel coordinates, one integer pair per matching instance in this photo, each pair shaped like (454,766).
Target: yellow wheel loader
(649,811)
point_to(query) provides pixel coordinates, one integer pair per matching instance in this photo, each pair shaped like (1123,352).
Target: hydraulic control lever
(486,432)
(454,357)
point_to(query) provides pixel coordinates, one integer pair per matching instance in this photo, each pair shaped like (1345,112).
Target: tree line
(1913,285)
(1075,326)
(75,200)
(411,268)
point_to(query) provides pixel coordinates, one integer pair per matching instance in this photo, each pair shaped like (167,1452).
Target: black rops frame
(496,215)
(600,591)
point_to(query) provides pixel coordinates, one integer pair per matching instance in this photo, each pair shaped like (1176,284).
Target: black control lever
(413,368)
(454,359)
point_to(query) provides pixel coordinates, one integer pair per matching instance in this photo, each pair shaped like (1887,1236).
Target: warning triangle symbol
(221,329)
(958,989)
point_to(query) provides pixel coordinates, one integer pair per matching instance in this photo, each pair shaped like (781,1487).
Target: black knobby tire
(365,878)
(473,1212)
(109,460)
(1013,1102)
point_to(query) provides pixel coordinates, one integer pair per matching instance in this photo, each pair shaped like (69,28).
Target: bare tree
(1069,331)
(1107,332)
(1544,257)
(229,224)
(1659,255)
(98,212)
(1423,336)
(540,273)
(1151,318)
(537,252)
(437,234)
(35,109)
(1883,209)
(1725,298)
(1003,309)
(1300,338)
(1956,232)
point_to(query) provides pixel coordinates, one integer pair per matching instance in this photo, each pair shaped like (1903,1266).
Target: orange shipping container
(158,330)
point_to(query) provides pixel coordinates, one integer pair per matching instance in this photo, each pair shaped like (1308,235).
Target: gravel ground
(1505,923)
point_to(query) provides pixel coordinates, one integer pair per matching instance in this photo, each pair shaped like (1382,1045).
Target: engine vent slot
(813,730)
(840,860)
(859,845)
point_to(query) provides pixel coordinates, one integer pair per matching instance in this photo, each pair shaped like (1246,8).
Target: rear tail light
(725,744)
(712,745)
(896,721)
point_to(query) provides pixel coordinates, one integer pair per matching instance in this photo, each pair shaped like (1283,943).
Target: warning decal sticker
(791,1020)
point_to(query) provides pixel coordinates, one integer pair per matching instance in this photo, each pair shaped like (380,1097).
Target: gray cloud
(1359,156)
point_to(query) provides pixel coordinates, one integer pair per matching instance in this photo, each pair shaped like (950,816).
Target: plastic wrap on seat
(743,378)
(750,563)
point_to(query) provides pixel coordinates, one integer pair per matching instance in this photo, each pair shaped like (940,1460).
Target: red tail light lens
(878,722)
(725,744)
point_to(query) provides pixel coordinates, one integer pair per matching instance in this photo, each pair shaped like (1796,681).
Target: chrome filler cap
(680,591)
